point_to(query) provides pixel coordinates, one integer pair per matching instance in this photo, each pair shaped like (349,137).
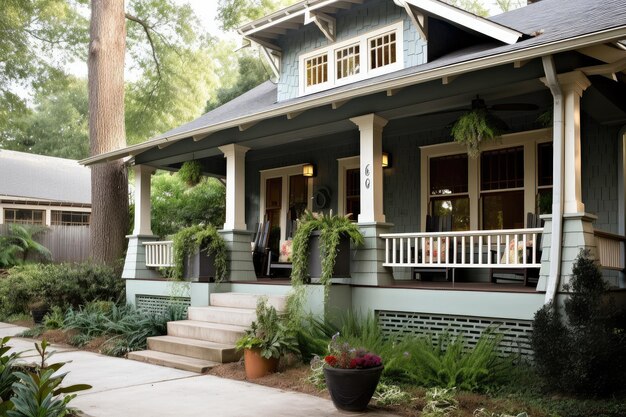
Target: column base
(577,235)
(240,266)
(135,261)
(367,266)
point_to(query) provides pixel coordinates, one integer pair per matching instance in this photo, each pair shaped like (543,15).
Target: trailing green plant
(583,351)
(60,285)
(268,333)
(19,244)
(332,228)
(38,393)
(483,412)
(440,402)
(474,128)
(199,238)
(191,172)
(387,394)
(54,319)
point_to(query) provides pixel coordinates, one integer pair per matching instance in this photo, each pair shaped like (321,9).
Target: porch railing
(159,254)
(513,248)
(610,250)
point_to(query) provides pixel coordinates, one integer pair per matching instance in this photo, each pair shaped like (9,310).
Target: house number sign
(367,174)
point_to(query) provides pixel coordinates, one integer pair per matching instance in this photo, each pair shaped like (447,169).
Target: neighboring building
(360,80)
(43,190)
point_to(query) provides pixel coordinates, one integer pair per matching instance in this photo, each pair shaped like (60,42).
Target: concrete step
(172,361)
(225,315)
(202,330)
(243,300)
(194,348)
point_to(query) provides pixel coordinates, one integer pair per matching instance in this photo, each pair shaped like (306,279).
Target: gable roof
(556,25)
(43,178)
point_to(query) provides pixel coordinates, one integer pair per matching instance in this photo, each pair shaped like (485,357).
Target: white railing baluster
(488,249)
(480,249)
(430,249)
(456,249)
(463,249)
(423,250)
(401,261)
(524,250)
(387,250)
(393,253)
(507,249)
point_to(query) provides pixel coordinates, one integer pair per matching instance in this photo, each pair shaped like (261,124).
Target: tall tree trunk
(109,181)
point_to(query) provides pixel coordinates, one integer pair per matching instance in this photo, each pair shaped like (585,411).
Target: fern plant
(191,172)
(199,238)
(475,127)
(332,228)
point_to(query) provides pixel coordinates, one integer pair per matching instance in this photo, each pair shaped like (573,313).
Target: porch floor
(426,285)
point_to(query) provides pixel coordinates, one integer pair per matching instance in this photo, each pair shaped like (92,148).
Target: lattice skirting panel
(157,304)
(516,332)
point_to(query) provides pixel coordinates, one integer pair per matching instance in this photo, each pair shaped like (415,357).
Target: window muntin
(316,70)
(69,218)
(449,189)
(382,50)
(502,188)
(24,216)
(348,61)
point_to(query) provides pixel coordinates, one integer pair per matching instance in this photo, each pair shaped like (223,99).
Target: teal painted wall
(350,23)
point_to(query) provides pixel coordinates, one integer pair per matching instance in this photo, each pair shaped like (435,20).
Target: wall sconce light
(308,170)
(385,160)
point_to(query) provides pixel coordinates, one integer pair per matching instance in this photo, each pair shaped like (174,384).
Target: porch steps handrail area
(159,254)
(506,248)
(610,250)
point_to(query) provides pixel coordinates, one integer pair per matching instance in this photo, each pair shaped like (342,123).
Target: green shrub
(62,285)
(38,392)
(587,354)
(7,374)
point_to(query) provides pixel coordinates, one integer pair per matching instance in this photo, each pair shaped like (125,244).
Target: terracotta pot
(256,365)
(352,389)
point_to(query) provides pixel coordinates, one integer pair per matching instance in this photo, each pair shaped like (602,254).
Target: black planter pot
(199,267)
(352,389)
(342,261)
(39,314)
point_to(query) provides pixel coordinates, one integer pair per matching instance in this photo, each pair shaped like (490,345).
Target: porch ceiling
(505,85)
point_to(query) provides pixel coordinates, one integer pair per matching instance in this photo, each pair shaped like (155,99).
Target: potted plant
(351,375)
(267,339)
(38,309)
(199,254)
(475,127)
(318,240)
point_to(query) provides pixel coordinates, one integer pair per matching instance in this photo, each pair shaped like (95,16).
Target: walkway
(128,388)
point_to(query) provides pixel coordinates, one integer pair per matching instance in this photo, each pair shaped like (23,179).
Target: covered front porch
(556,174)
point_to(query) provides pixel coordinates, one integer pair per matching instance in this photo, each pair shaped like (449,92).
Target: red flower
(353,363)
(331,360)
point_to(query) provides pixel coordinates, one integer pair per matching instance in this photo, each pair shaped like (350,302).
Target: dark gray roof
(551,24)
(547,20)
(45,178)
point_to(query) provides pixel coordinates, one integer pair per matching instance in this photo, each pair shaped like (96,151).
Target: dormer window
(374,53)
(348,61)
(383,50)
(317,70)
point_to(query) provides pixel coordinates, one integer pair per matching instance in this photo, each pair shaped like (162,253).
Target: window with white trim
(348,61)
(374,53)
(382,50)
(317,70)
(493,191)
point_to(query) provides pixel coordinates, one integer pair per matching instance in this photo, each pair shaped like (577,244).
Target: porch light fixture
(308,170)
(385,160)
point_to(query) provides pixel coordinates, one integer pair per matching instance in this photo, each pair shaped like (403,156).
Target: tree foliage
(234,13)
(175,205)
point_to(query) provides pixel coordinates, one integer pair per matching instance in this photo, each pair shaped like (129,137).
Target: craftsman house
(358,121)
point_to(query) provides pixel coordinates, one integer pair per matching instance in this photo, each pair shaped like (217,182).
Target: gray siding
(350,23)
(599,148)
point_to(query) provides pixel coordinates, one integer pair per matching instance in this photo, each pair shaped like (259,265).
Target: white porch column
(371,128)
(572,85)
(143,205)
(235,186)
(135,262)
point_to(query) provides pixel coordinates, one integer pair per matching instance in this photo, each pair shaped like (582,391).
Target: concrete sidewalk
(124,388)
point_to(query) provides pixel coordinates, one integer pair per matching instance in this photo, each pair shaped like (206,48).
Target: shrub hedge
(60,285)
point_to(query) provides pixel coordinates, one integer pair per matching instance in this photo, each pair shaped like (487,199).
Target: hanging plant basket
(191,173)
(475,127)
